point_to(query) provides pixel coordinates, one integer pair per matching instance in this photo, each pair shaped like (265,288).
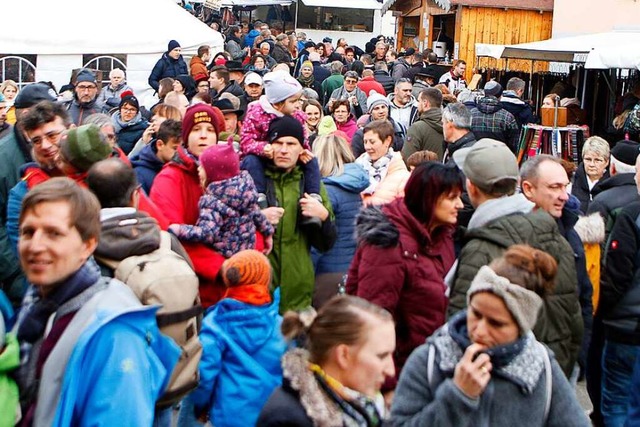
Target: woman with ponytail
(334,378)
(485,366)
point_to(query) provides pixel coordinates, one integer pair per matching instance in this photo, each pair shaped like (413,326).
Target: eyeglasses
(203,85)
(110,136)
(53,137)
(86,87)
(351,81)
(129,110)
(596,160)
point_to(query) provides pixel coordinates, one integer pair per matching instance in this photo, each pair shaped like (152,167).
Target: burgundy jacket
(401,268)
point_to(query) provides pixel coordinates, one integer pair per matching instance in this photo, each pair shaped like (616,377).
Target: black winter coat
(612,194)
(385,80)
(580,187)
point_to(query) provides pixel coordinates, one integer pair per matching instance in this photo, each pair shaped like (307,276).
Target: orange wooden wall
(500,26)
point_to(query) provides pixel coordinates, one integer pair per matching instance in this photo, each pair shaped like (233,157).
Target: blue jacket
(344,193)
(119,367)
(167,67)
(240,364)
(250,38)
(146,164)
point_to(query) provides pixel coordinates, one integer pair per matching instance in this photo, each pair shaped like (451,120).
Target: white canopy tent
(613,49)
(60,35)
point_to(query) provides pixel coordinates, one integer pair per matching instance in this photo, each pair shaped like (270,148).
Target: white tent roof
(600,50)
(75,27)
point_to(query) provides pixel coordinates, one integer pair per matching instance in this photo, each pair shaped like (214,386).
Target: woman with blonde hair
(485,366)
(344,181)
(9,89)
(335,379)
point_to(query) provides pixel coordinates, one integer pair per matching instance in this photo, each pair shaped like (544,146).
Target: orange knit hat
(247,267)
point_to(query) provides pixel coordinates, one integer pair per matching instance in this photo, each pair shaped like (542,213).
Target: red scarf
(250,294)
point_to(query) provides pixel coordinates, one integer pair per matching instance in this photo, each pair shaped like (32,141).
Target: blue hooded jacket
(127,338)
(250,38)
(146,164)
(240,366)
(344,193)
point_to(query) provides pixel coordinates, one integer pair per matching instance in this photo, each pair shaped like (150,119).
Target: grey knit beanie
(376,99)
(523,304)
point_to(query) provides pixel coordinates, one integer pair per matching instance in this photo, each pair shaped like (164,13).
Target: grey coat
(440,403)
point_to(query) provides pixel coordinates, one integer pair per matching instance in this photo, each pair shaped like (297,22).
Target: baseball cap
(252,79)
(487,162)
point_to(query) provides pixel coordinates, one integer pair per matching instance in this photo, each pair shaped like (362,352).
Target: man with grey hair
(109,96)
(501,219)
(381,75)
(426,132)
(265,50)
(613,193)
(511,100)
(403,106)
(456,129)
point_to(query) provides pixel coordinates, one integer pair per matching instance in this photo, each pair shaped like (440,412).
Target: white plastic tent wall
(613,49)
(59,32)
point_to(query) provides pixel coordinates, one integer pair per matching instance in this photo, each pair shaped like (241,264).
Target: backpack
(163,277)
(632,122)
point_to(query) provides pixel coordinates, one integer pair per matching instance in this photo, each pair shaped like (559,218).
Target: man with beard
(85,98)
(15,151)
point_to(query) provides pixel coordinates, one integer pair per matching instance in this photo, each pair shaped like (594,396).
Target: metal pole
(531,80)
(584,87)
(295,24)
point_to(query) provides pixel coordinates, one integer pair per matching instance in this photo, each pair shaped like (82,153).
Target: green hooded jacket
(291,254)
(9,361)
(560,324)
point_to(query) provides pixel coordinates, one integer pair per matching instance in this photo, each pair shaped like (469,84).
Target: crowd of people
(307,234)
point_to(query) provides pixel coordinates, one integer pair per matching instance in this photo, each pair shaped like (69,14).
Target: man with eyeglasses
(85,98)
(202,84)
(503,218)
(15,151)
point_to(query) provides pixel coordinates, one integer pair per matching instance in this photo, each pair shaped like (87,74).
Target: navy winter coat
(146,164)
(167,67)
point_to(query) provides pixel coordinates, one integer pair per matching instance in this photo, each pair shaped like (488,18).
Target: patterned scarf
(377,170)
(358,410)
(520,361)
(306,81)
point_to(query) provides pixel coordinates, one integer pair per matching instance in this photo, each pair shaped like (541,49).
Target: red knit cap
(200,113)
(220,162)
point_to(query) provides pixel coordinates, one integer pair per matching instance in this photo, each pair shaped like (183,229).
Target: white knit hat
(376,99)
(280,85)
(523,304)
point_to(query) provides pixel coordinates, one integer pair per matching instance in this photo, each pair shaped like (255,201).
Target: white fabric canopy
(60,32)
(614,49)
(350,4)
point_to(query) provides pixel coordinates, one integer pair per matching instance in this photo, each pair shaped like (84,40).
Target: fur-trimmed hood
(590,228)
(375,228)
(317,405)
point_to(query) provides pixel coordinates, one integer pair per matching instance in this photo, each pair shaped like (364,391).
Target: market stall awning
(614,47)
(350,4)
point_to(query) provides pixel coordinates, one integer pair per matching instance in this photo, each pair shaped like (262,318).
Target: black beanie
(172,45)
(127,97)
(286,126)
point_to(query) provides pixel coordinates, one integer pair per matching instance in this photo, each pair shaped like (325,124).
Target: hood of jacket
(249,326)
(488,105)
(147,158)
(408,105)
(509,96)
(590,228)
(497,208)
(433,118)
(381,73)
(354,179)
(617,180)
(127,234)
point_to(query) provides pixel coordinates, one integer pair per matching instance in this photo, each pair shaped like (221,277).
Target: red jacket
(367,84)
(349,127)
(176,191)
(400,267)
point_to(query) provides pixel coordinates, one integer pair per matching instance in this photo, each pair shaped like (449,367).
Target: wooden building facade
(467,22)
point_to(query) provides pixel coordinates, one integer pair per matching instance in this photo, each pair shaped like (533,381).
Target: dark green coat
(291,254)
(559,323)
